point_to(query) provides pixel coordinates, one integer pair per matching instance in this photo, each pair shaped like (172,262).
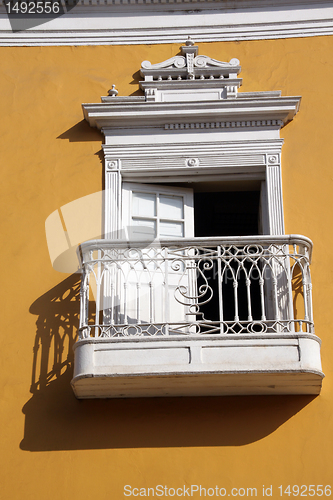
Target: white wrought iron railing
(196,286)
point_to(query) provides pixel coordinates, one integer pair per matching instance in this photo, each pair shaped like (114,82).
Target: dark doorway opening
(226,213)
(221,214)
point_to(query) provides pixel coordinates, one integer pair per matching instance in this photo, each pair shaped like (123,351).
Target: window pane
(142,229)
(175,229)
(171,207)
(144,204)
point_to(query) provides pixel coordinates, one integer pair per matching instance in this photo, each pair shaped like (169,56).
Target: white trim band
(105,25)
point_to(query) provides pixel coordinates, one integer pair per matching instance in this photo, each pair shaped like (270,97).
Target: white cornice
(165,114)
(123,5)
(120,22)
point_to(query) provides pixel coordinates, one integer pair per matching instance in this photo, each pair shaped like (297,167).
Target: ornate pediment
(190,65)
(190,71)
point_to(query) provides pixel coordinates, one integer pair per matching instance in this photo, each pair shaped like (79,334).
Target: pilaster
(112,198)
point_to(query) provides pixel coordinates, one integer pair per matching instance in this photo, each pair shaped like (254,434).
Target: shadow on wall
(82,132)
(56,420)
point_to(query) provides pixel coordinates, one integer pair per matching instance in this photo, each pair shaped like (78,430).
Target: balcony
(196,316)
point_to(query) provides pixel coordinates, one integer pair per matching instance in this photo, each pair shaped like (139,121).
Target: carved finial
(189,42)
(113,92)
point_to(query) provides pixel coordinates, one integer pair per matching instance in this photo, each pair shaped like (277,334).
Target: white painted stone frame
(264,164)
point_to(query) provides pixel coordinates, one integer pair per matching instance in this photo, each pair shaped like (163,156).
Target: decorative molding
(183,78)
(233,124)
(242,160)
(189,66)
(200,163)
(245,20)
(112,203)
(192,162)
(150,95)
(272,159)
(212,165)
(274,199)
(112,165)
(168,151)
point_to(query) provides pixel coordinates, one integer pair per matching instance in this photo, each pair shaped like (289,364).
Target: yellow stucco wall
(55,447)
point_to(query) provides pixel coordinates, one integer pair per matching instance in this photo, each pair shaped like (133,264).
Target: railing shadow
(298,294)
(56,333)
(56,420)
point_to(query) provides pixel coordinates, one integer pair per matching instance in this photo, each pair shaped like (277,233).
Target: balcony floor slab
(153,367)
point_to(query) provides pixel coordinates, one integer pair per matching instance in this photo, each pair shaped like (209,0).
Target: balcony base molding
(154,367)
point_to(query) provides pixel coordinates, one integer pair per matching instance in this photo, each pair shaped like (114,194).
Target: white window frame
(268,173)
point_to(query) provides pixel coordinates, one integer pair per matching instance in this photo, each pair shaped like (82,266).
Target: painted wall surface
(56,447)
